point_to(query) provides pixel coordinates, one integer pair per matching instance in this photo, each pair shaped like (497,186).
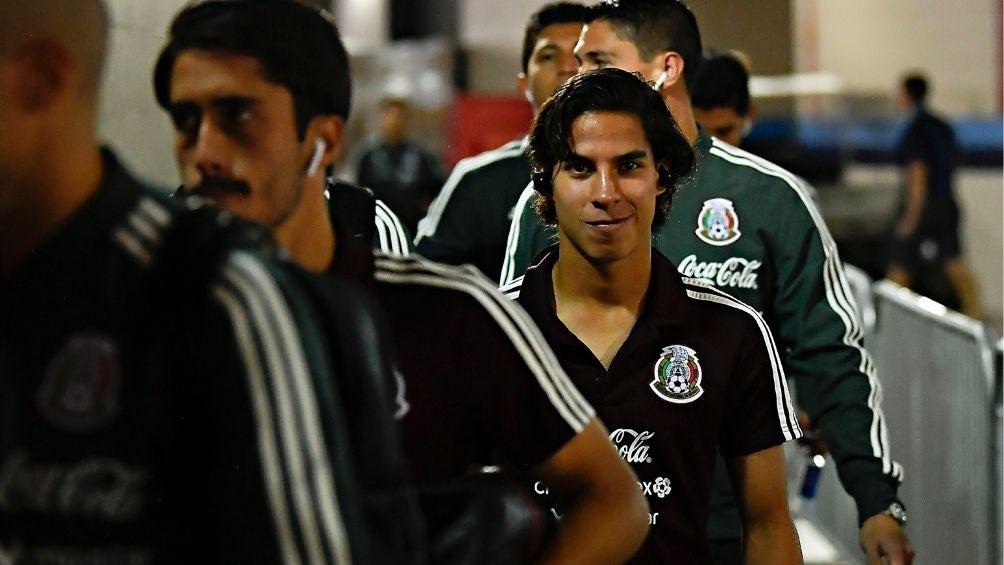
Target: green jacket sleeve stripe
(838,297)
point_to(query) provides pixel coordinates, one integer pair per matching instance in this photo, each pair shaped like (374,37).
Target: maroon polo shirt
(479,382)
(698,374)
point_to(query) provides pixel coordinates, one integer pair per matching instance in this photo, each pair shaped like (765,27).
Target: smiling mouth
(608,224)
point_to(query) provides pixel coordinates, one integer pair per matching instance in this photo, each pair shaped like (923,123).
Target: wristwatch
(897,512)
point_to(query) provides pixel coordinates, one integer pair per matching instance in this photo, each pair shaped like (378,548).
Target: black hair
(722,82)
(296,44)
(915,86)
(606,90)
(550,14)
(655,26)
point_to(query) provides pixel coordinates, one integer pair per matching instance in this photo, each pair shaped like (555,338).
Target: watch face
(898,512)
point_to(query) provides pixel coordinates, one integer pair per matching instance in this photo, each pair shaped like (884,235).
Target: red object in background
(482,122)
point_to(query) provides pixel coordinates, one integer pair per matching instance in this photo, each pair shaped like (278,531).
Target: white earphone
(529,98)
(660,81)
(315,159)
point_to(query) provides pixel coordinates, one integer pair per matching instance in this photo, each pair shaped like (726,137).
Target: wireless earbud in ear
(660,81)
(315,159)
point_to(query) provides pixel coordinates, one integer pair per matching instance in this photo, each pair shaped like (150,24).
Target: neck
(60,177)
(309,234)
(600,304)
(678,102)
(618,284)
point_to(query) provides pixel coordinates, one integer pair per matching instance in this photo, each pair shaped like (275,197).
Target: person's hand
(882,537)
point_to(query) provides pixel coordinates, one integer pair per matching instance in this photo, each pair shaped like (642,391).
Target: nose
(210,152)
(606,191)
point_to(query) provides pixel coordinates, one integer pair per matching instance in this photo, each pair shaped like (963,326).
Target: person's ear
(670,73)
(325,135)
(523,86)
(665,181)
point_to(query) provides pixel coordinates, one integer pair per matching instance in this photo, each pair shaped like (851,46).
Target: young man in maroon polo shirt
(677,369)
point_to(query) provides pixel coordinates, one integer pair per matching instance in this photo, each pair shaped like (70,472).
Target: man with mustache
(259,92)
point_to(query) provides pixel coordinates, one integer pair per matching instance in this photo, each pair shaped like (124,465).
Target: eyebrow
(632,155)
(221,102)
(593,54)
(549,46)
(629,156)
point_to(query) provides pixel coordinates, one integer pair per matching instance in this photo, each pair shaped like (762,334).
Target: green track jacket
(751,229)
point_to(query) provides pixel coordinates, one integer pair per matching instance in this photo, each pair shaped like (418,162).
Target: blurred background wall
(454,58)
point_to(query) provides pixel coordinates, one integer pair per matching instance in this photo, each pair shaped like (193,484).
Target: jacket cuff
(874,495)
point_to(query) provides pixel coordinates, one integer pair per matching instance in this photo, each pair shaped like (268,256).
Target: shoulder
(502,327)
(509,157)
(435,287)
(771,182)
(752,169)
(423,289)
(139,233)
(728,311)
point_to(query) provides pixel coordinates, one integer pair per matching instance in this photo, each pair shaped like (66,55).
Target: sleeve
(759,411)
(535,408)
(269,481)
(536,399)
(527,237)
(816,323)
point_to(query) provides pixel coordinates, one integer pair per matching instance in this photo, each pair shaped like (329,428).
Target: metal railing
(941,395)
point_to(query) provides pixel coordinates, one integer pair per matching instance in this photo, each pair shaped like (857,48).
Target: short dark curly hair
(606,90)
(297,45)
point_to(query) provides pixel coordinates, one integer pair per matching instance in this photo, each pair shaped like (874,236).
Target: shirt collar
(666,301)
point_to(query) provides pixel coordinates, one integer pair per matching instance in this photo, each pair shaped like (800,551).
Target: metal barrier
(941,392)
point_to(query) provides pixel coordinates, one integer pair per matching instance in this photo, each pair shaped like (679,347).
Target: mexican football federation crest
(80,388)
(718,223)
(677,375)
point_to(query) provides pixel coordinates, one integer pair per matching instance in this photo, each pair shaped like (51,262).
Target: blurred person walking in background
(926,234)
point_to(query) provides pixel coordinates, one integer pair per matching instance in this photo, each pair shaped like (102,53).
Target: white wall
(981,198)
(130,120)
(492,32)
(869,43)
